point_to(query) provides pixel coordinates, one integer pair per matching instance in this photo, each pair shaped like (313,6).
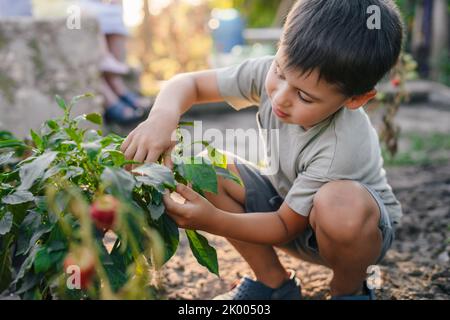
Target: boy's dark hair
(332,36)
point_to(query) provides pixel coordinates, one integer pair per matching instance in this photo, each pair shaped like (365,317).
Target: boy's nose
(282,98)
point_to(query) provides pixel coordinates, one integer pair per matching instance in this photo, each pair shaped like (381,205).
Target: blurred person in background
(122,105)
(15,8)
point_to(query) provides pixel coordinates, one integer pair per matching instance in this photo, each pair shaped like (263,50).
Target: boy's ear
(360,100)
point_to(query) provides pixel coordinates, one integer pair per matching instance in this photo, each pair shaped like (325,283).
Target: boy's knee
(343,209)
(227,188)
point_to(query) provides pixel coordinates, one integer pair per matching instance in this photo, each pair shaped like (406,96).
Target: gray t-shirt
(344,146)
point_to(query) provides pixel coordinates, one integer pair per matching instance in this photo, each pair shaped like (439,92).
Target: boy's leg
(345,218)
(262,259)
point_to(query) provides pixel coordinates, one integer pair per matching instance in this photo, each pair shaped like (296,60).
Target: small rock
(443,258)
(201,283)
(179,267)
(416,273)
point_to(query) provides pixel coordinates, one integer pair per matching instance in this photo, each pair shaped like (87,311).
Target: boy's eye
(300,95)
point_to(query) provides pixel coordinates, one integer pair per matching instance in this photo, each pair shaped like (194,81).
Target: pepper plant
(65,192)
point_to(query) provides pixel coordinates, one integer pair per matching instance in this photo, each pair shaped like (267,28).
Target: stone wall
(41,58)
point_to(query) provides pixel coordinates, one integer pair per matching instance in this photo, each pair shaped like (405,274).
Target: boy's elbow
(186,83)
(283,240)
(279,239)
(182,78)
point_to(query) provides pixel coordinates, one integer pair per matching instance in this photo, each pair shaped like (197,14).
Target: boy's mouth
(278,112)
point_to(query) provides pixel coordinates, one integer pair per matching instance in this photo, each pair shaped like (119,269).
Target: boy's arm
(153,136)
(191,88)
(197,213)
(272,228)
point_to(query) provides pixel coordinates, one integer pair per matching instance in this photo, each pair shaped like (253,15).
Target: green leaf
(34,170)
(46,259)
(57,239)
(92,149)
(6,261)
(6,223)
(74,135)
(75,99)
(156,211)
(51,172)
(155,175)
(72,172)
(42,261)
(93,135)
(56,139)
(229,175)
(27,264)
(112,139)
(119,180)
(121,256)
(117,157)
(31,230)
(20,196)
(52,124)
(171,235)
(12,143)
(80,118)
(28,287)
(203,252)
(116,265)
(6,135)
(117,277)
(217,158)
(36,139)
(61,102)
(202,175)
(95,118)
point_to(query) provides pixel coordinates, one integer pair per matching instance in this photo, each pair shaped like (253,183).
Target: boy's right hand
(153,137)
(150,139)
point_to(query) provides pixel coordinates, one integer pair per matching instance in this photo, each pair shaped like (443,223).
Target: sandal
(248,289)
(117,113)
(131,99)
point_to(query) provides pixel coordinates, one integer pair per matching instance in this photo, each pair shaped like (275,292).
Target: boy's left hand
(196,213)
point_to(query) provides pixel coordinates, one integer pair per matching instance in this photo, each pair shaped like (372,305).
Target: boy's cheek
(270,86)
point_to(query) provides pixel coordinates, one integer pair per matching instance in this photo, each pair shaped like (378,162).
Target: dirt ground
(417,266)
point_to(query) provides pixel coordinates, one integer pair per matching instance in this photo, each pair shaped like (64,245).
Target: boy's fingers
(130,152)
(126,143)
(168,160)
(168,156)
(139,157)
(171,205)
(152,156)
(186,192)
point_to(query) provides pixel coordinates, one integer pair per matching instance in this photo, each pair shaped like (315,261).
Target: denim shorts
(261,196)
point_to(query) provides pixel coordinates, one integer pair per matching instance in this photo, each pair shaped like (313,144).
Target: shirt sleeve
(301,195)
(241,86)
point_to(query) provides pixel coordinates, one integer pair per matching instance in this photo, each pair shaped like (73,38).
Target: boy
(329,202)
